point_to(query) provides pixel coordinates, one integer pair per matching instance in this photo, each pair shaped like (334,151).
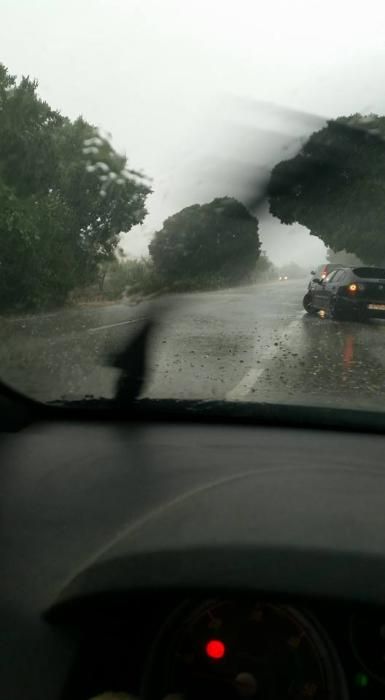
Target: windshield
(193,163)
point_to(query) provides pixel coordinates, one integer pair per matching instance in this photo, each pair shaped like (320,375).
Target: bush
(215,244)
(130,277)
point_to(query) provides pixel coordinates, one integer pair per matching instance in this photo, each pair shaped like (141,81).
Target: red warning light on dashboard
(215,649)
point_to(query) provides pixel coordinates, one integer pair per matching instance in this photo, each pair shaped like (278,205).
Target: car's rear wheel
(307,304)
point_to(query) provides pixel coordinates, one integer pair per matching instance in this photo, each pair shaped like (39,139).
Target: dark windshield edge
(274,415)
(19,410)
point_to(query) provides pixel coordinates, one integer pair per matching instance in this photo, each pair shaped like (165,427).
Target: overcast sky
(185,86)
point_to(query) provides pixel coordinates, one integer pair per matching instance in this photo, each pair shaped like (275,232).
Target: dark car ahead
(348,293)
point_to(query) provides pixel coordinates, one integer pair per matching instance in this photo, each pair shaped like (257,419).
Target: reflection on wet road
(246,344)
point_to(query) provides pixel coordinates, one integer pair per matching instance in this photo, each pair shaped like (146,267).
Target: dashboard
(197,560)
(230,647)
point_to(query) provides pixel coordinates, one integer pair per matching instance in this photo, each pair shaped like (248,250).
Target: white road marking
(248,381)
(119,323)
(32,317)
(245,385)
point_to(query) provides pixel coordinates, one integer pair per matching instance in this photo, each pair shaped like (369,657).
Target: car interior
(169,549)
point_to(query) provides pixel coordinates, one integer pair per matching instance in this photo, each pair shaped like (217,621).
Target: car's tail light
(353,288)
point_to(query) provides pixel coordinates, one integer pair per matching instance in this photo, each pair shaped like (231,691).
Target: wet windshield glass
(196,162)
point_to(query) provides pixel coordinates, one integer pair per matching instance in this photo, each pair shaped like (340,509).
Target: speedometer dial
(229,649)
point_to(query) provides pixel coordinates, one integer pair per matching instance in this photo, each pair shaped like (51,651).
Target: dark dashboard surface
(93,512)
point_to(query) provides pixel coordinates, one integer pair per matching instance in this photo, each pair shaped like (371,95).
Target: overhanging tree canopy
(335,187)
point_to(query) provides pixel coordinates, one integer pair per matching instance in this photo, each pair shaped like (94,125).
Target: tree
(37,259)
(335,186)
(213,243)
(105,197)
(65,196)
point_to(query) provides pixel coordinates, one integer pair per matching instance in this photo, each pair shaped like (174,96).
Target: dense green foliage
(335,187)
(211,244)
(65,196)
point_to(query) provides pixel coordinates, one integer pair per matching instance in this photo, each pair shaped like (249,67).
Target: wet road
(247,344)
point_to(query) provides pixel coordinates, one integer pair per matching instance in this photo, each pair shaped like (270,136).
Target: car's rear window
(370,272)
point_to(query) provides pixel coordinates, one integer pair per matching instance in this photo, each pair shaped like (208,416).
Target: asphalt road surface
(246,344)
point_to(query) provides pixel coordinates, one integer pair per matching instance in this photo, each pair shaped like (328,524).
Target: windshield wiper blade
(133,364)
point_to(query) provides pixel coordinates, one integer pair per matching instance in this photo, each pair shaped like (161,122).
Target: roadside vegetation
(125,277)
(66,197)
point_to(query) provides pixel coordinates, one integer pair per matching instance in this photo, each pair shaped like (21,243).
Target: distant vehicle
(324,270)
(348,293)
(283,277)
